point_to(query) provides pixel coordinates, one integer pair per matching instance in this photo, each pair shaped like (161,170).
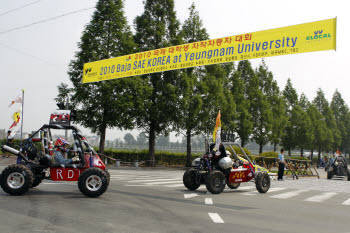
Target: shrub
(161,157)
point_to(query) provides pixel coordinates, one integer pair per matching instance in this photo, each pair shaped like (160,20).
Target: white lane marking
(245,188)
(135,177)
(347,202)
(208,201)
(165,182)
(250,193)
(289,194)
(190,195)
(174,185)
(275,189)
(157,177)
(136,185)
(215,217)
(321,197)
(270,191)
(154,180)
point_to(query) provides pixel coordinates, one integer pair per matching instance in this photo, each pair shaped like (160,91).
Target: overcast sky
(36,58)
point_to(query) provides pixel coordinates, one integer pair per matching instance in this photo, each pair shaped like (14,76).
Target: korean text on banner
(302,38)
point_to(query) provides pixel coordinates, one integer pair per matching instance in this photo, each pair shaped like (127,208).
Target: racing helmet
(61,144)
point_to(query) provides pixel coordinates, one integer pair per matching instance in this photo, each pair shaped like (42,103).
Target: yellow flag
(217,129)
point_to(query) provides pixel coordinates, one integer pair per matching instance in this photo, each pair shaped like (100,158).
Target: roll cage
(45,138)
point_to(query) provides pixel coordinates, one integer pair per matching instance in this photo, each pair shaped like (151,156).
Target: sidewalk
(6,161)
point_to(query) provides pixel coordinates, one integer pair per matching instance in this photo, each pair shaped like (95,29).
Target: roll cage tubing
(236,156)
(45,135)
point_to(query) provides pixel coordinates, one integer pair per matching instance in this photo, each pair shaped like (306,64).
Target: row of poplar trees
(187,101)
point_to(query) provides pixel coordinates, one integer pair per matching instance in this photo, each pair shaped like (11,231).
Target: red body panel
(72,174)
(65,174)
(96,161)
(240,175)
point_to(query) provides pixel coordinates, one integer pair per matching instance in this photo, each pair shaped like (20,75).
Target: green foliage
(16,143)
(259,88)
(290,94)
(238,85)
(238,150)
(269,154)
(104,104)
(157,27)
(190,105)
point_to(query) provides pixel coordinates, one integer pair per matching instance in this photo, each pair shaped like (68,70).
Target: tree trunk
(188,156)
(274,147)
(319,156)
(312,154)
(261,148)
(289,152)
(242,143)
(102,139)
(302,152)
(151,145)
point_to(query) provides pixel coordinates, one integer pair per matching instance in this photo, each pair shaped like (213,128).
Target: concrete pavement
(155,201)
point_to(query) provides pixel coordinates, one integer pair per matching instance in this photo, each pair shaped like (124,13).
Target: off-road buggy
(215,175)
(36,163)
(338,167)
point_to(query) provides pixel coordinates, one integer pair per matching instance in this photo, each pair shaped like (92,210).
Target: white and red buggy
(216,175)
(35,159)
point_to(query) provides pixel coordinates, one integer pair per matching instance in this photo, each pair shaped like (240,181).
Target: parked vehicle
(216,172)
(338,167)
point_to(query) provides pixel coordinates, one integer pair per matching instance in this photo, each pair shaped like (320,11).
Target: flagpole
(22,115)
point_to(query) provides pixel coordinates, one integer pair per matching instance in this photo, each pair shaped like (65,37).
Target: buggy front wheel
(262,182)
(93,182)
(215,182)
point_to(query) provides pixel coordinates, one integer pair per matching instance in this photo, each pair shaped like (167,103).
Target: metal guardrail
(294,167)
(119,163)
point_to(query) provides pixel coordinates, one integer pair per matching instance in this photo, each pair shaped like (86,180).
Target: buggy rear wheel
(93,182)
(262,182)
(16,179)
(191,179)
(108,175)
(330,174)
(215,182)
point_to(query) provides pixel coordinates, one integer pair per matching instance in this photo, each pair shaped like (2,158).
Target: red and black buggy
(36,163)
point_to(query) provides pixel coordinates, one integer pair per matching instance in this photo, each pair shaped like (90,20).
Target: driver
(221,153)
(61,147)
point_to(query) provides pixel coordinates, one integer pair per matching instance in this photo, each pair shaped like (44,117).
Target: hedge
(16,142)
(161,157)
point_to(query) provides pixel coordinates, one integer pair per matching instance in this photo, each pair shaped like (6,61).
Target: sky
(36,58)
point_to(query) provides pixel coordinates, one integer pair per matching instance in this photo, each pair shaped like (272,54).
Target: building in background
(2,133)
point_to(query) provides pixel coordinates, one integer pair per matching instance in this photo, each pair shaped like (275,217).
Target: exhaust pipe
(11,150)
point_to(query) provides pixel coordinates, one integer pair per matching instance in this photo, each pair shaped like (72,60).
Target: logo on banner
(318,35)
(87,70)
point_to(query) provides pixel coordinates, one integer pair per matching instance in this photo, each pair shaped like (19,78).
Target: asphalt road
(155,201)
